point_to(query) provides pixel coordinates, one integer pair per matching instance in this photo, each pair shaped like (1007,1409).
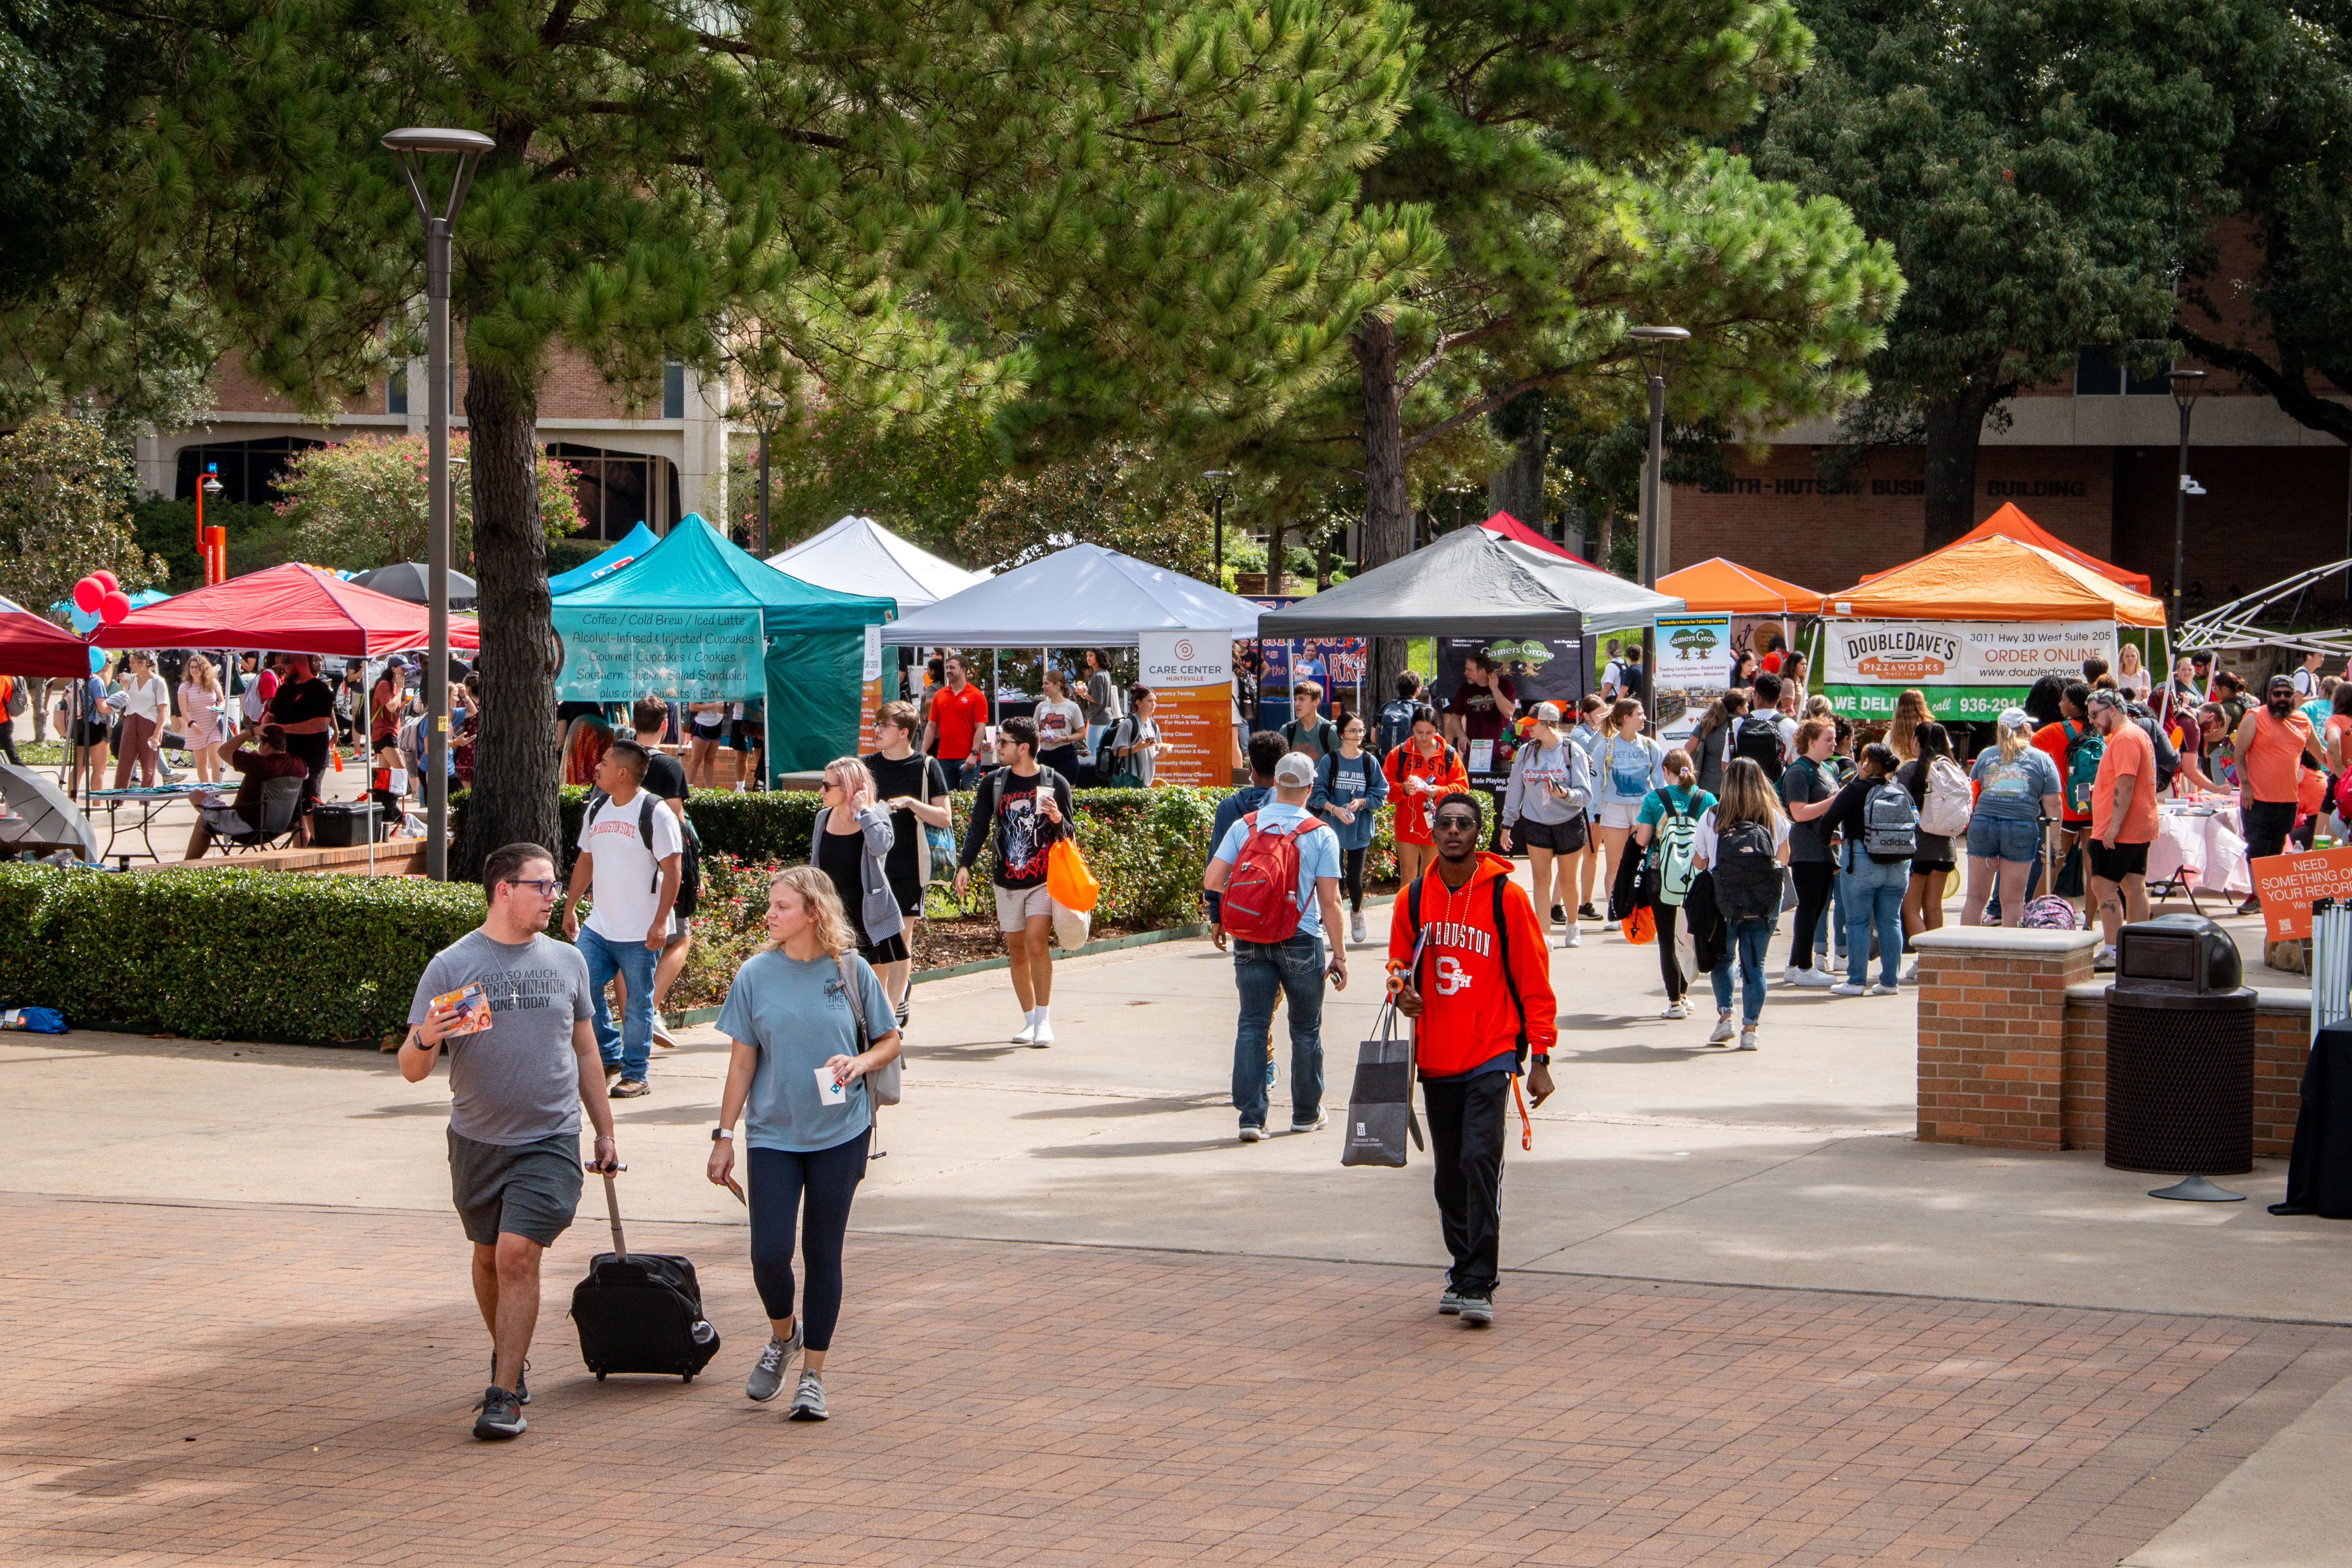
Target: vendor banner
(1693,669)
(1968,669)
(1538,670)
(1192,679)
(621,655)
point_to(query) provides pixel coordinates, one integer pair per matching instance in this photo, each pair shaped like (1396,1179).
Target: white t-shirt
(2306,683)
(148,699)
(1706,841)
(625,874)
(1062,723)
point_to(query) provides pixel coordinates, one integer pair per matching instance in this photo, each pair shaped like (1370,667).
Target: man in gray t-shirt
(513,1008)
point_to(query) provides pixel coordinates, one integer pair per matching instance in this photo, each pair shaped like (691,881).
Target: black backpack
(2168,760)
(1758,740)
(1747,873)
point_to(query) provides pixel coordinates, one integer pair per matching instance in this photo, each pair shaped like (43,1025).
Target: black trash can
(2180,1051)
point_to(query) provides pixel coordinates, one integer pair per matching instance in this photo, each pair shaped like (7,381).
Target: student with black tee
(915,788)
(1027,806)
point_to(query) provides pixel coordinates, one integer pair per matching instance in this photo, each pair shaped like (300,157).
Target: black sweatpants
(1813,879)
(1465,1141)
(1670,964)
(829,1179)
(1351,877)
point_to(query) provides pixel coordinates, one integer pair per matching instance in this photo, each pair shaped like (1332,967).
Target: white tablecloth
(2204,839)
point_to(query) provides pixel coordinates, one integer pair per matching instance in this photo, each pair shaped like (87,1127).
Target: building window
(673,391)
(395,393)
(617,491)
(249,470)
(2098,373)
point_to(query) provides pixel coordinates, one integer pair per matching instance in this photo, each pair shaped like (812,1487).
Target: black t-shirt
(665,777)
(1023,834)
(1802,783)
(920,778)
(298,701)
(838,855)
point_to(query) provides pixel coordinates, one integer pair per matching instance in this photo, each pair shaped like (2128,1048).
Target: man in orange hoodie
(1479,990)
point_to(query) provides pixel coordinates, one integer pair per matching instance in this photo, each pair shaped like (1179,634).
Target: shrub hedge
(228,953)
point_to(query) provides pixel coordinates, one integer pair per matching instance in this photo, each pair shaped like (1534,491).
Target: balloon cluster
(100,594)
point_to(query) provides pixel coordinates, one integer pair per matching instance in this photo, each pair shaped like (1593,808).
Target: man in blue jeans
(631,853)
(1292,968)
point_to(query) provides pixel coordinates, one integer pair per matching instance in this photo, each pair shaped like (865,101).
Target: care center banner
(1191,678)
(1969,670)
(619,656)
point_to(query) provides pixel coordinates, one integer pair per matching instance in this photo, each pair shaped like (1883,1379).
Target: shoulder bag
(883,1083)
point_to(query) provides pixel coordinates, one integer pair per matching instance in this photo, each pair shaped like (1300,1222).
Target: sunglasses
(1456,820)
(545,887)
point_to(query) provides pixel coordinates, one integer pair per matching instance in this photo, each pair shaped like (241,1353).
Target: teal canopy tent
(636,543)
(695,619)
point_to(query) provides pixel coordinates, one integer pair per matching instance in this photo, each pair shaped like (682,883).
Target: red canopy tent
(291,608)
(34,645)
(2010,523)
(1511,528)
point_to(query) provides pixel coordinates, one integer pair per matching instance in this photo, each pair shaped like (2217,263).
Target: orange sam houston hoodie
(1466,1016)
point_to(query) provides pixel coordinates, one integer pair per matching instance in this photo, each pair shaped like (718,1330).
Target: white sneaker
(1041,1028)
(1814,979)
(1883,989)
(1746,1040)
(1677,1008)
(1724,1029)
(1609,925)
(1789,974)
(1569,936)
(1356,926)
(1028,1034)
(661,1032)
(1911,976)
(1844,988)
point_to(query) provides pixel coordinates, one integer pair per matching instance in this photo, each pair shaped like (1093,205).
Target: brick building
(653,464)
(2094,460)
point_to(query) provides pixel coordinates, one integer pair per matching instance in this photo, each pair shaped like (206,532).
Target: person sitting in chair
(240,819)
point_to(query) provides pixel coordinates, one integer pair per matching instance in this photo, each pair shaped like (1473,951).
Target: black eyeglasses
(545,887)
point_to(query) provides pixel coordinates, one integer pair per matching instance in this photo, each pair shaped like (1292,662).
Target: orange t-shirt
(2128,753)
(2266,770)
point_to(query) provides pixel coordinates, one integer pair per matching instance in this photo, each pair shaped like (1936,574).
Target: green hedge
(228,953)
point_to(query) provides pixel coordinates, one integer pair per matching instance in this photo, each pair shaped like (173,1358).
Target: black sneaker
(1559,914)
(1587,913)
(501,1415)
(521,1388)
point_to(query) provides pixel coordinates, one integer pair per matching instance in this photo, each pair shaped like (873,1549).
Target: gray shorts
(529,1189)
(1015,907)
(224,821)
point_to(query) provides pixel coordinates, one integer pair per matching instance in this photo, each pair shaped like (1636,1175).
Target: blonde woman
(799,1014)
(2018,791)
(200,708)
(2131,676)
(1744,841)
(1910,712)
(850,843)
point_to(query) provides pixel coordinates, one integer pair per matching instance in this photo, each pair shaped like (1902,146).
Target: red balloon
(114,606)
(107,581)
(86,596)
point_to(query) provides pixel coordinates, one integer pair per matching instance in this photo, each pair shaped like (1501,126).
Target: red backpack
(1261,902)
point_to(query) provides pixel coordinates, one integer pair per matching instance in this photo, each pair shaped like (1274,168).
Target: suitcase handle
(612,1208)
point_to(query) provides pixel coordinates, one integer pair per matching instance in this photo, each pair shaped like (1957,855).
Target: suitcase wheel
(688,1378)
(599,1377)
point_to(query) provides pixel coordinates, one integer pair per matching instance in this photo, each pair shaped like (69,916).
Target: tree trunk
(1388,515)
(1277,541)
(1323,559)
(1603,539)
(517,770)
(1517,486)
(1955,428)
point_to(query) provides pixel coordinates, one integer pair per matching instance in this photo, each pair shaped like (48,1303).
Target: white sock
(1039,1014)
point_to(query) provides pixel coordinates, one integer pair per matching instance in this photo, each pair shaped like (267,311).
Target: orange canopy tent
(2010,523)
(1723,586)
(1994,579)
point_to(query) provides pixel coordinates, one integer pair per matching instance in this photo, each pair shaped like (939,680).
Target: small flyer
(473,1006)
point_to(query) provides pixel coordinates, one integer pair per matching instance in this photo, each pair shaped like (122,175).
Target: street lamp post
(2185,386)
(208,484)
(764,492)
(1222,480)
(412,145)
(1659,348)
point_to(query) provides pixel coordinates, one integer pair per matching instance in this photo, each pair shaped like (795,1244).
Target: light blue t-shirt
(1319,854)
(2012,791)
(797,1016)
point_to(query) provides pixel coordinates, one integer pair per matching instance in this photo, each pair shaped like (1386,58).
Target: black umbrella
(406,580)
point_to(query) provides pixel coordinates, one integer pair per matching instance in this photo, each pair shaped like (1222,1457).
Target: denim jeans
(1292,968)
(628,1046)
(1873,893)
(1745,949)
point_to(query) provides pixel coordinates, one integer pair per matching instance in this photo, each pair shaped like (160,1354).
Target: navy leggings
(778,1179)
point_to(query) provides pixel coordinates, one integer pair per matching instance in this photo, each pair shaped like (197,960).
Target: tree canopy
(65,512)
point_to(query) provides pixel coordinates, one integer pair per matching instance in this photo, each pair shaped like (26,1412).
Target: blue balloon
(97,659)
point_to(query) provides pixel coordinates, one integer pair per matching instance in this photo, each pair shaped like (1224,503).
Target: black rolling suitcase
(641,1311)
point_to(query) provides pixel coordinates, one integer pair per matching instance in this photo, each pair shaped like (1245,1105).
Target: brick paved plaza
(265,1384)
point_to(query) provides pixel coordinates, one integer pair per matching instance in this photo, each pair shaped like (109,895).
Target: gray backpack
(1890,823)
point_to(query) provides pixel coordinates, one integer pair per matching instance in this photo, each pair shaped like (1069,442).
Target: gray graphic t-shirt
(519,1080)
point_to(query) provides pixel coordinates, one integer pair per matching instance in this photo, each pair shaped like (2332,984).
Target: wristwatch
(1541,1058)
(718,1132)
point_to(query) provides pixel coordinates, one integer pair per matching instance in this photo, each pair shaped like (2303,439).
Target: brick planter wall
(1992,1004)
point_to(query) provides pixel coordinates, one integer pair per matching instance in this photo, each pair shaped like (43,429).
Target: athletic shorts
(2113,865)
(891,948)
(1559,837)
(1015,907)
(1618,812)
(529,1189)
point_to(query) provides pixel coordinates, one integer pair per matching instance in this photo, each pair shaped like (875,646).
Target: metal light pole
(763,492)
(412,145)
(1222,480)
(209,483)
(2185,386)
(1659,348)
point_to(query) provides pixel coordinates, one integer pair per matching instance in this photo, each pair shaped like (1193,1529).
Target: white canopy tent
(858,555)
(1084,596)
